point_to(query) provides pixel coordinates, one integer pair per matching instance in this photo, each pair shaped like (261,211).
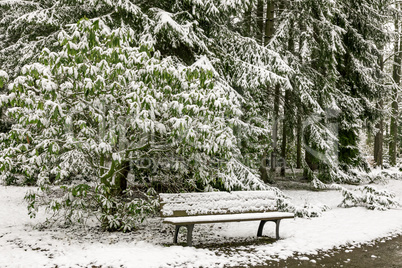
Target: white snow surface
(21,245)
(218,202)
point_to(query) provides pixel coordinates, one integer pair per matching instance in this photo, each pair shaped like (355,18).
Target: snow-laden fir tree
(360,86)
(338,78)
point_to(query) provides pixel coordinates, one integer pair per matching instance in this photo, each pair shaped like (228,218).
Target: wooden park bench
(187,209)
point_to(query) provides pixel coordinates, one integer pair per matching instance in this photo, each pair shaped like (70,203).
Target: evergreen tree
(358,86)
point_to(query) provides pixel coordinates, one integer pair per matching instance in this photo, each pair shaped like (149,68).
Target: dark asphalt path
(379,254)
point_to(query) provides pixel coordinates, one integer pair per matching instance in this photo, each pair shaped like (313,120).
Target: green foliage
(82,202)
(100,103)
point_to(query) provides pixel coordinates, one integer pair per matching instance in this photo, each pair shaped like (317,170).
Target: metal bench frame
(190,228)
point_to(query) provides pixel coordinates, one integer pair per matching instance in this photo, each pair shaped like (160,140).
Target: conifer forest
(106,104)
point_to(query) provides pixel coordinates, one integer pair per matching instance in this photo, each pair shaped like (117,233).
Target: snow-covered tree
(105,100)
(184,30)
(364,82)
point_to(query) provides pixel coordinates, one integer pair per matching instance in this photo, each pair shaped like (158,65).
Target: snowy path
(22,246)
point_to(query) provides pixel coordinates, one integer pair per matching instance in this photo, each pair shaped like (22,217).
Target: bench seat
(229,218)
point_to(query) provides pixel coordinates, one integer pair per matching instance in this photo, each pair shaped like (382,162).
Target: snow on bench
(187,209)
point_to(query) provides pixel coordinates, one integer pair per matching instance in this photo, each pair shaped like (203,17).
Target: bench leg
(261,227)
(277,228)
(190,228)
(176,233)
(190,235)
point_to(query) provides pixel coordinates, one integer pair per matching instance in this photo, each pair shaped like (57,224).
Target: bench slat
(189,204)
(224,207)
(209,196)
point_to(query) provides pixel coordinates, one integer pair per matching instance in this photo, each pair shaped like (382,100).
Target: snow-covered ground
(231,244)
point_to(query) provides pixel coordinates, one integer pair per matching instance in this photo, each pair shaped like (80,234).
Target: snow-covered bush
(305,211)
(376,177)
(106,100)
(368,197)
(317,184)
(379,176)
(84,202)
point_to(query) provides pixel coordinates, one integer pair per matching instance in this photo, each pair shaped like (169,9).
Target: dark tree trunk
(260,22)
(283,153)
(396,75)
(275,128)
(287,104)
(269,25)
(299,139)
(378,143)
(120,173)
(379,137)
(121,178)
(247,21)
(265,177)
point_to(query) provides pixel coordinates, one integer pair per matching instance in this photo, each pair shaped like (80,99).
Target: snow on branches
(369,197)
(99,104)
(102,98)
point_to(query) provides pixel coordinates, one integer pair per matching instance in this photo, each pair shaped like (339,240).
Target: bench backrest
(213,203)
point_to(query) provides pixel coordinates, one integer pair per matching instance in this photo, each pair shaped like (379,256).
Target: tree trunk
(277,95)
(379,137)
(121,178)
(284,136)
(393,130)
(378,141)
(269,25)
(116,178)
(260,22)
(265,177)
(396,75)
(299,139)
(261,25)
(275,128)
(247,21)
(286,110)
